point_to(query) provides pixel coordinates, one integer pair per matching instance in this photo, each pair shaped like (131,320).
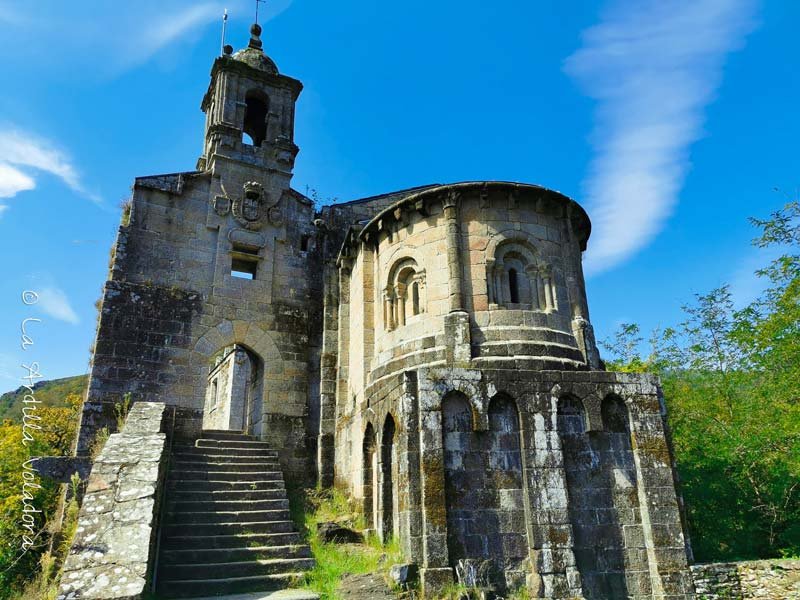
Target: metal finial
(257,3)
(224,23)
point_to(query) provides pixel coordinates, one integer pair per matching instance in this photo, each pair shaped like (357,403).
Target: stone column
(327,385)
(401,292)
(490,291)
(408,465)
(456,324)
(498,283)
(533,278)
(435,571)
(547,283)
(388,307)
(450,205)
(368,285)
(342,375)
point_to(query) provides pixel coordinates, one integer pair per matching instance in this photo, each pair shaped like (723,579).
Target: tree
(732,384)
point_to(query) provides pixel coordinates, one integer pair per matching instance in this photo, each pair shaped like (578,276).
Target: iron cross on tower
(258,2)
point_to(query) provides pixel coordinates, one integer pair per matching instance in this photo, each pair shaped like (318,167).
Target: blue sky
(671,122)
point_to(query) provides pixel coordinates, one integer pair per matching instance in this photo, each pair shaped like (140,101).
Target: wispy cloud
(23,154)
(653,67)
(54,302)
(165,27)
(113,37)
(13,181)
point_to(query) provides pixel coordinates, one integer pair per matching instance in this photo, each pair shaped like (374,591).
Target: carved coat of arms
(249,208)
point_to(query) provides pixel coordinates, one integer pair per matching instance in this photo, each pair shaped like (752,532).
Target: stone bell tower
(249,109)
(212,266)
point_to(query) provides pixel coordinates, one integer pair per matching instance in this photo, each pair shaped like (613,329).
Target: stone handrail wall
(115,539)
(762,579)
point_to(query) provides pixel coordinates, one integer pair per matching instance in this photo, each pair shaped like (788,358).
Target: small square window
(243,269)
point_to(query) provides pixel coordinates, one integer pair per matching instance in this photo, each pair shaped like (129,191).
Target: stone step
(248,568)
(234,554)
(217,517)
(195,505)
(231,475)
(264,452)
(243,444)
(180,466)
(182,541)
(212,459)
(230,528)
(226,528)
(226,495)
(205,485)
(223,434)
(230,585)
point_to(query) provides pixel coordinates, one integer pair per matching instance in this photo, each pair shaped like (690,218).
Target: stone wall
(569,506)
(112,554)
(173,304)
(762,579)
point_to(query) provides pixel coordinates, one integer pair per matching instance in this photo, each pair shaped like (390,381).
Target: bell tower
(249,109)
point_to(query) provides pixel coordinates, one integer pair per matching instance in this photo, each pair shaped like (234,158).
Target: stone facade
(174,300)
(428,350)
(765,579)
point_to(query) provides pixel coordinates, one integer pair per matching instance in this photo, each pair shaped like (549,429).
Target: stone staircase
(226,527)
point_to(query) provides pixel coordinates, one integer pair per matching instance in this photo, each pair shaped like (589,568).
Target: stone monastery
(429,351)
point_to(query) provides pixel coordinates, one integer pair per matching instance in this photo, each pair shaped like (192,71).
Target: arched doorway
(234,389)
(388,496)
(370,457)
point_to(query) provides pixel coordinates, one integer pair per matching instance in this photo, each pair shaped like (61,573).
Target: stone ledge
(774,579)
(112,553)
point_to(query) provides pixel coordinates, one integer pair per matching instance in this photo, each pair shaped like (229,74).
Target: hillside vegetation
(51,393)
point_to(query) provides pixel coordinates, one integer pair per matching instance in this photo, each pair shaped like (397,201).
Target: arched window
(513,286)
(404,295)
(255,117)
(519,277)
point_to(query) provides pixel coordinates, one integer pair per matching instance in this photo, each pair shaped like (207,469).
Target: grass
(308,508)
(311,507)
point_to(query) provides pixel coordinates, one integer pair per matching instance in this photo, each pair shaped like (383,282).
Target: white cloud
(103,39)
(13,181)
(21,153)
(54,302)
(164,28)
(653,67)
